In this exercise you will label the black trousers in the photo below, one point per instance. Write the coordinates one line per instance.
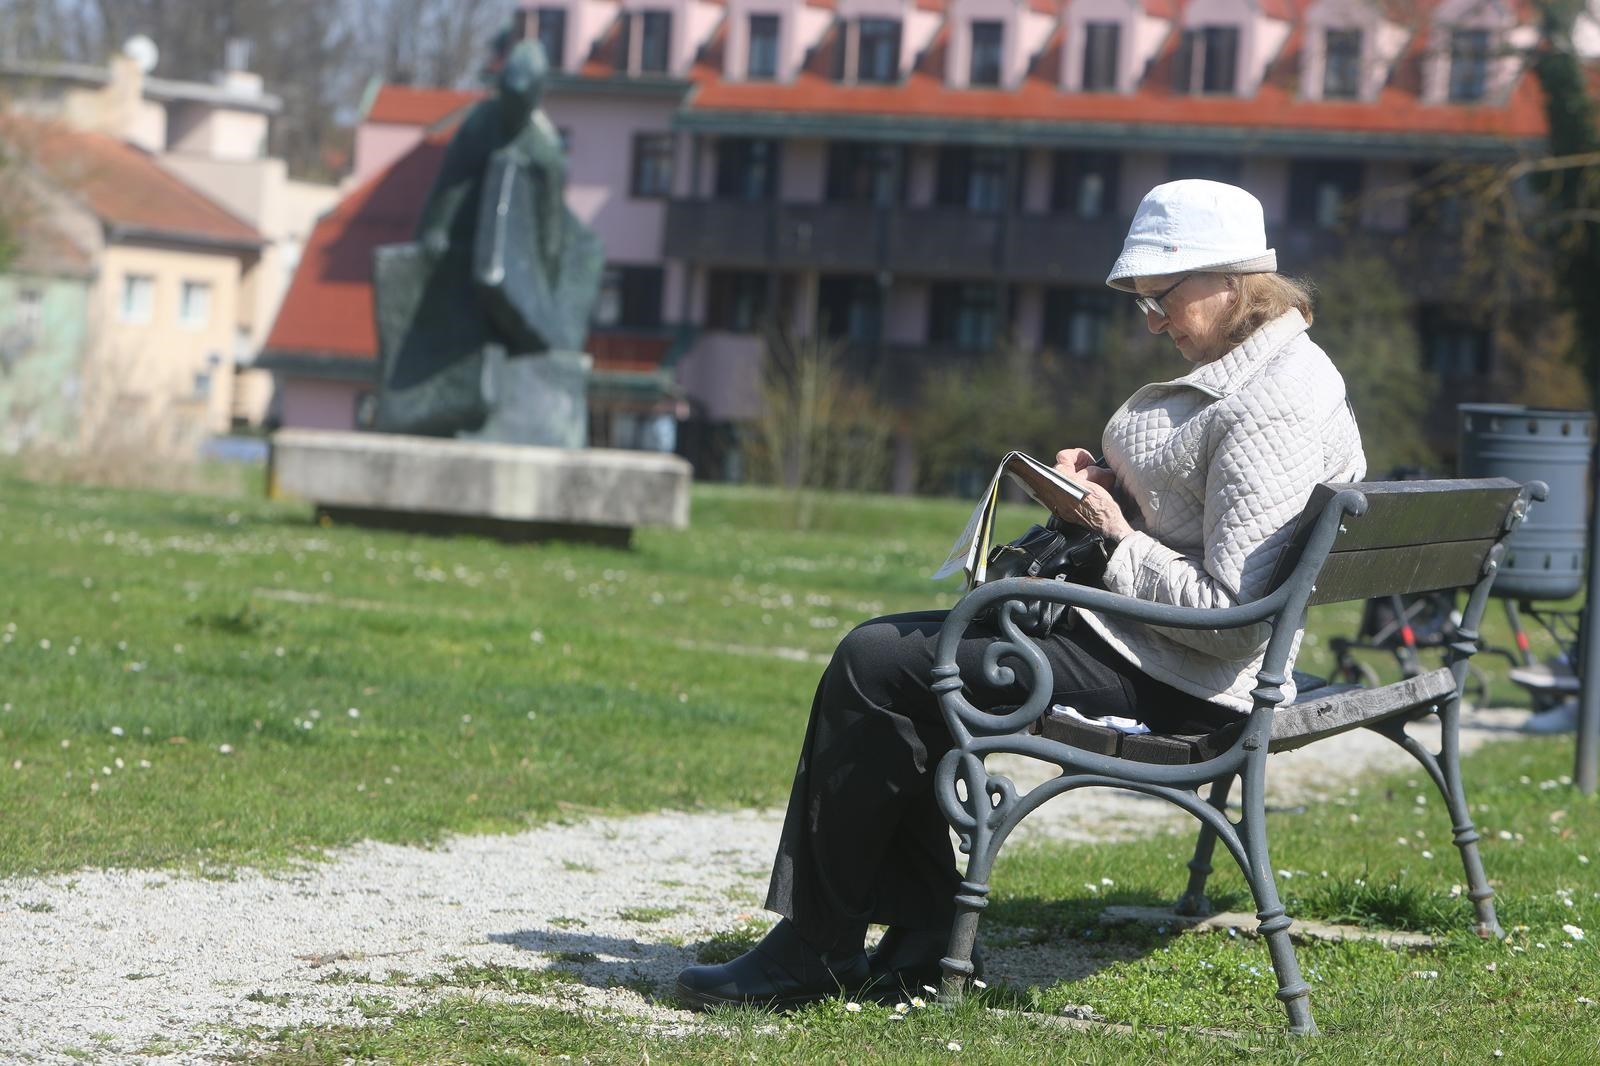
(864, 841)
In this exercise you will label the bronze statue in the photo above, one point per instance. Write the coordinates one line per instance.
(481, 319)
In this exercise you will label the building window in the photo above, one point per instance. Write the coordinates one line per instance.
(878, 50)
(1076, 321)
(1469, 65)
(747, 169)
(973, 178)
(736, 300)
(1341, 69)
(763, 65)
(1207, 60)
(986, 38)
(29, 324)
(652, 165)
(1451, 346)
(138, 298)
(1211, 167)
(194, 304)
(1085, 184)
(1322, 191)
(850, 308)
(1102, 43)
(864, 172)
(965, 315)
(654, 32)
(552, 34)
(629, 298)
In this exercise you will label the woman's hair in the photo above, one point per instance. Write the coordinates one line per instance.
(1260, 298)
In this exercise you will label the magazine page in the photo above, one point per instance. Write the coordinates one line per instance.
(1047, 486)
(971, 548)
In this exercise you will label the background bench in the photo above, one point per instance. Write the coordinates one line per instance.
(1352, 542)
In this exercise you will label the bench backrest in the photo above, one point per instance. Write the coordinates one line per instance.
(1415, 536)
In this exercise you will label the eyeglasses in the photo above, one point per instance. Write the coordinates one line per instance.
(1152, 304)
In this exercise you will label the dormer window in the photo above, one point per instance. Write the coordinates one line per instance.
(1469, 65)
(646, 41)
(1341, 72)
(986, 39)
(878, 50)
(763, 65)
(1102, 43)
(1207, 60)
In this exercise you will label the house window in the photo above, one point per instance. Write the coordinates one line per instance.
(29, 324)
(973, 178)
(986, 37)
(736, 300)
(1085, 184)
(965, 315)
(1451, 346)
(1076, 321)
(864, 172)
(1469, 65)
(763, 65)
(1211, 167)
(138, 298)
(652, 165)
(878, 50)
(654, 30)
(629, 298)
(1322, 191)
(194, 304)
(1207, 60)
(552, 33)
(1102, 43)
(747, 169)
(1341, 70)
(850, 308)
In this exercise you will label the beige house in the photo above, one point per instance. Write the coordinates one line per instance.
(165, 290)
(213, 136)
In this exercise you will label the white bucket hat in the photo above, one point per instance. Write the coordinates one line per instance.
(1194, 225)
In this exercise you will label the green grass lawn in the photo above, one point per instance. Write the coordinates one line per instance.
(190, 681)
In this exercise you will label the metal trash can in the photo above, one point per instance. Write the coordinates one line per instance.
(1546, 560)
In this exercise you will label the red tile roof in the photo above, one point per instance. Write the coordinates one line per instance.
(403, 105)
(328, 308)
(125, 187)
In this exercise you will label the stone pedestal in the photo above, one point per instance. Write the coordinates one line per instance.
(506, 490)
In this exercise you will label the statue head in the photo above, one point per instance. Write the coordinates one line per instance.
(521, 81)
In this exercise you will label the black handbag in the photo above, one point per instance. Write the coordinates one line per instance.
(1057, 551)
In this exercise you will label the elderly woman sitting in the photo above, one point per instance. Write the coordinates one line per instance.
(1202, 475)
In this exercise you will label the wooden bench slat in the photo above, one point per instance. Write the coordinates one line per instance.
(1400, 570)
(1418, 512)
(1297, 724)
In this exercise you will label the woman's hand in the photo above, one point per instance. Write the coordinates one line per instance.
(1099, 510)
(1079, 464)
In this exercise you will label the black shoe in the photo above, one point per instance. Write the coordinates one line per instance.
(907, 960)
(782, 971)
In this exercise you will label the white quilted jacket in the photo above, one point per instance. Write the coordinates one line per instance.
(1212, 470)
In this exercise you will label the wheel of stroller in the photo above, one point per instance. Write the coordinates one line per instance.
(1352, 671)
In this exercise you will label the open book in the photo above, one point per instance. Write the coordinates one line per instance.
(1045, 484)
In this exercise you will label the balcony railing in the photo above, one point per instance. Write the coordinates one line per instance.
(865, 239)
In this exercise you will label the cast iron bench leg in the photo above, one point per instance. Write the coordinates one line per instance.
(1293, 992)
(1194, 903)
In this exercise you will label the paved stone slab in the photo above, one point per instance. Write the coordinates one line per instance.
(427, 476)
(1301, 931)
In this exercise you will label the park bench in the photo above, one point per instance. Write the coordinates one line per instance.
(1352, 542)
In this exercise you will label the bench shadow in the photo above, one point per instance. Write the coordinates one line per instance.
(1027, 944)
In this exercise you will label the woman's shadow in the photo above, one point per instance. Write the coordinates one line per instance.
(1028, 944)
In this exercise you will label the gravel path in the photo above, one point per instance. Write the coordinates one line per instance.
(146, 966)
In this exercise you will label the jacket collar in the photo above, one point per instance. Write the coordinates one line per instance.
(1223, 376)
